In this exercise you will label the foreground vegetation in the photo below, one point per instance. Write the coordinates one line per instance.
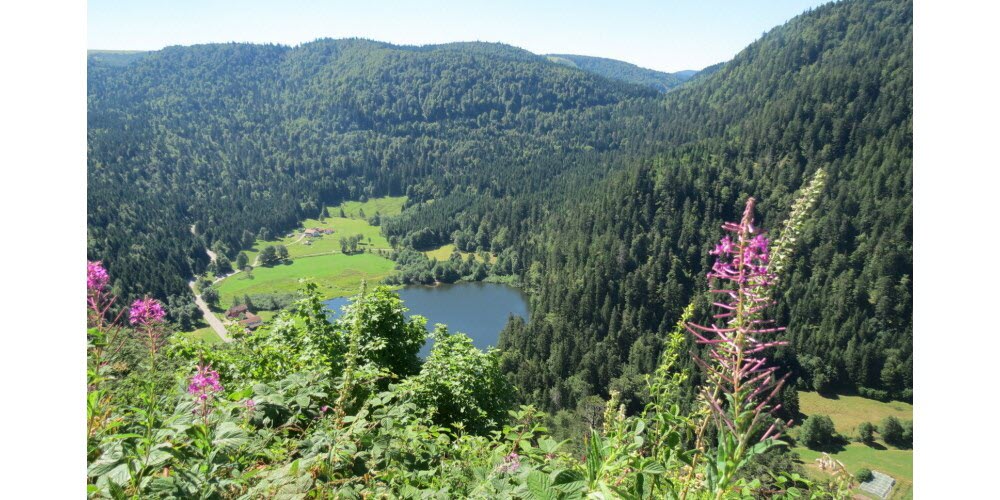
(345, 408)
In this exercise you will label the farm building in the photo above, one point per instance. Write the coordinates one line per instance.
(236, 311)
(251, 321)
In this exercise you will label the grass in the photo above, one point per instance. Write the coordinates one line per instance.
(847, 412)
(388, 205)
(206, 335)
(352, 224)
(336, 275)
(444, 253)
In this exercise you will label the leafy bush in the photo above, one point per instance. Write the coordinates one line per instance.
(876, 394)
(866, 432)
(817, 431)
(461, 385)
(864, 475)
(891, 431)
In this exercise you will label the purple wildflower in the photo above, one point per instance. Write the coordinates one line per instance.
(97, 277)
(725, 247)
(204, 385)
(146, 312)
(204, 382)
(511, 463)
(747, 380)
(250, 404)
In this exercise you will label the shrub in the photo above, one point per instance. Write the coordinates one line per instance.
(891, 430)
(876, 394)
(817, 431)
(866, 432)
(864, 475)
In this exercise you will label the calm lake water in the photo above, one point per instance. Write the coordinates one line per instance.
(479, 310)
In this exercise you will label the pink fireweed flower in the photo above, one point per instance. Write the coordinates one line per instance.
(97, 277)
(746, 381)
(725, 247)
(250, 404)
(146, 312)
(511, 463)
(204, 383)
(203, 386)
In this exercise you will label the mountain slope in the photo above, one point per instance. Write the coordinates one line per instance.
(833, 89)
(621, 70)
(232, 138)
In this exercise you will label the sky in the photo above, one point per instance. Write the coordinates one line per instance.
(667, 35)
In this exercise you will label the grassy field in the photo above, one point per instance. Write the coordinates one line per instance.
(847, 412)
(444, 253)
(388, 205)
(350, 225)
(206, 334)
(336, 274)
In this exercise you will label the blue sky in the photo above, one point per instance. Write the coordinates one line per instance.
(668, 35)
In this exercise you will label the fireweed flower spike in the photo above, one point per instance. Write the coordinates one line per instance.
(741, 385)
(97, 277)
(204, 385)
(146, 312)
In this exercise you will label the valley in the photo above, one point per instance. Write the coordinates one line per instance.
(590, 232)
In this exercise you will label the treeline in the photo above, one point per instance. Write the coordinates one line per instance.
(614, 270)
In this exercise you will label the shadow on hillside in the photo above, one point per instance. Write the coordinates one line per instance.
(875, 445)
(838, 445)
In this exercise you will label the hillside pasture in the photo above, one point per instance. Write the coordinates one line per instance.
(444, 252)
(847, 412)
(371, 236)
(336, 275)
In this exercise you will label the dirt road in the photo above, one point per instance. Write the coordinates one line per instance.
(210, 317)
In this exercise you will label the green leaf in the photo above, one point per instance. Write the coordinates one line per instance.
(540, 486)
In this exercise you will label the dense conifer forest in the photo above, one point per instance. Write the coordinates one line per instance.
(598, 193)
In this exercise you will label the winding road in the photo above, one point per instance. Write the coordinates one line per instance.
(206, 311)
(210, 317)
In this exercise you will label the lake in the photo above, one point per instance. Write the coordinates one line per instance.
(479, 310)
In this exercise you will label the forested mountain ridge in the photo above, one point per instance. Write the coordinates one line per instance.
(232, 138)
(830, 89)
(621, 70)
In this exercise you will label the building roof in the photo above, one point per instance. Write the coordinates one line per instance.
(251, 320)
(236, 310)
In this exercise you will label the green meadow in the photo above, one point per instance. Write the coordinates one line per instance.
(444, 252)
(336, 275)
(206, 334)
(300, 246)
(847, 412)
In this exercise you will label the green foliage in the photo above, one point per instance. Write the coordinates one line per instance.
(269, 256)
(828, 91)
(599, 195)
(893, 432)
(459, 384)
(866, 432)
(211, 296)
(864, 475)
(817, 431)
